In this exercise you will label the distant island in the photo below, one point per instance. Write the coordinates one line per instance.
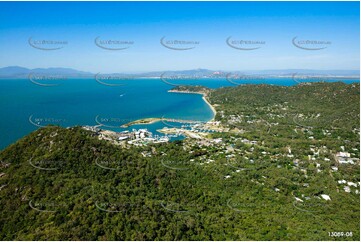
(14, 72)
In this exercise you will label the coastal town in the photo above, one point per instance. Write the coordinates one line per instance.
(134, 137)
(230, 138)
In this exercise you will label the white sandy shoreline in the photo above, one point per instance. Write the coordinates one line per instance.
(146, 121)
(204, 97)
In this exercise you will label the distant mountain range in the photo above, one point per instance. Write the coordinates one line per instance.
(22, 72)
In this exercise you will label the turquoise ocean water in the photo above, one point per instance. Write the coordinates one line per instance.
(26, 106)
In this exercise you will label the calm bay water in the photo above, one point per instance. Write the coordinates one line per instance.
(26, 106)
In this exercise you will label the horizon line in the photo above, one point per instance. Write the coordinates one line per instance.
(193, 69)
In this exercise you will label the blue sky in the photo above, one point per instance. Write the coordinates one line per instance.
(209, 23)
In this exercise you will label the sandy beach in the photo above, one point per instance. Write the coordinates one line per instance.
(204, 97)
(154, 120)
(210, 105)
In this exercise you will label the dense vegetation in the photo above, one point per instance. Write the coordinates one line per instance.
(200, 89)
(329, 112)
(337, 102)
(65, 184)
